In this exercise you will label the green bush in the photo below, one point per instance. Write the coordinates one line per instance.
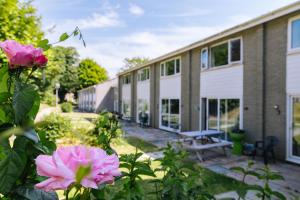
(66, 107)
(54, 126)
(107, 127)
(49, 98)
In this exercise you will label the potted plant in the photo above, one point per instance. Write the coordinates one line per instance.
(237, 136)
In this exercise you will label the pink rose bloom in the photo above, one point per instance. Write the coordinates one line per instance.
(23, 55)
(63, 165)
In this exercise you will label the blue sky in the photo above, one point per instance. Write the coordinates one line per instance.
(116, 29)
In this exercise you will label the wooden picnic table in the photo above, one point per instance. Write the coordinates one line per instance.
(211, 142)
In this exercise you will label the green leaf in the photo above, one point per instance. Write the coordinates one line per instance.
(63, 37)
(278, 195)
(31, 193)
(3, 77)
(44, 44)
(23, 101)
(4, 96)
(11, 169)
(2, 116)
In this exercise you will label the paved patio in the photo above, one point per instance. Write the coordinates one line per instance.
(217, 162)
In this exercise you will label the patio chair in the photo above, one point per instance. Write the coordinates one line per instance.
(267, 148)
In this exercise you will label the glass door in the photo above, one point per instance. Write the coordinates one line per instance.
(295, 127)
(170, 114)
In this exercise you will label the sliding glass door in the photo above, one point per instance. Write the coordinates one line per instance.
(294, 129)
(221, 114)
(170, 114)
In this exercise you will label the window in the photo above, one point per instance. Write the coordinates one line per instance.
(221, 114)
(235, 50)
(219, 55)
(162, 69)
(170, 113)
(222, 54)
(295, 34)
(126, 111)
(204, 58)
(127, 79)
(143, 74)
(142, 109)
(177, 66)
(229, 114)
(170, 67)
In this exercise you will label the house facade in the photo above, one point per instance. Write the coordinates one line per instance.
(246, 77)
(96, 98)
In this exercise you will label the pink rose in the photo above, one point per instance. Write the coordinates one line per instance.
(23, 55)
(63, 165)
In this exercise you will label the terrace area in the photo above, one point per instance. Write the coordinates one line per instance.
(217, 162)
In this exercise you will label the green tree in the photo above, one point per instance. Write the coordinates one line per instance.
(62, 67)
(90, 73)
(18, 21)
(134, 62)
(69, 78)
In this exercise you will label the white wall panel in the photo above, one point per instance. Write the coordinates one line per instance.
(170, 87)
(143, 90)
(222, 83)
(126, 92)
(293, 74)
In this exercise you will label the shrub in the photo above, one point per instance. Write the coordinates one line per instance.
(55, 126)
(49, 98)
(107, 128)
(66, 107)
(181, 179)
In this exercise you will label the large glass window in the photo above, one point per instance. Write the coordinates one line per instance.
(229, 114)
(219, 55)
(295, 31)
(143, 108)
(296, 127)
(170, 111)
(212, 114)
(222, 54)
(170, 67)
(235, 50)
(143, 74)
(126, 109)
(204, 58)
(222, 114)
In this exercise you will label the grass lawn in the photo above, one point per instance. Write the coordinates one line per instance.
(215, 183)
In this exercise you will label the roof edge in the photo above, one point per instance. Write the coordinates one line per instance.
(240, 27)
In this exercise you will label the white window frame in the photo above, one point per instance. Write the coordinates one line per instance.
(140, 72)
(241, 50)
(229, 53)
(169, 107)
(241, 124)
(164, 67)
(207, 59)
(289, 35)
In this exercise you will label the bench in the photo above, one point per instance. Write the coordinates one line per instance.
(200, 147)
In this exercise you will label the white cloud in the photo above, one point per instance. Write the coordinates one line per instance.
(136, 10)
(111, 51)
(109, 19)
